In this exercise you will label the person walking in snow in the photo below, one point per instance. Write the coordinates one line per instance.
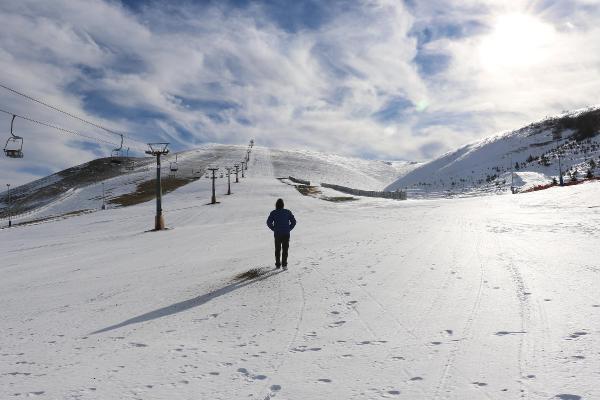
(281, 221)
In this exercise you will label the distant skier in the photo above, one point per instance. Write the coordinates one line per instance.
(281, 221)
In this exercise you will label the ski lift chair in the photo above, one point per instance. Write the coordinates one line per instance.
(173, 166)
(117, 154)
(14, 145)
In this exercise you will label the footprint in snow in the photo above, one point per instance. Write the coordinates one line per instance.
(247, 374)
(575, 335)
(567, 397)
(336, 324)
(374, 342)
(479, 383)
(504, 333)
(302, 349)
(324, 380)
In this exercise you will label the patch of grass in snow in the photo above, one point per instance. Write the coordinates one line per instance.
(146, 191)
(314, 191)
(308, 190)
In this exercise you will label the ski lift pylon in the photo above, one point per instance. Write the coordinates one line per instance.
(14, 144)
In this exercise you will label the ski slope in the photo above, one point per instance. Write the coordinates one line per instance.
(476, 298)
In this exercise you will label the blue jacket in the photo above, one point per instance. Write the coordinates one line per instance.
(281, 221)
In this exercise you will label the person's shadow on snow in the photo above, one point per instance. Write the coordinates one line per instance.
(187, 304)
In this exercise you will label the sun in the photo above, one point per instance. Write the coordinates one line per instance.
(516, 41)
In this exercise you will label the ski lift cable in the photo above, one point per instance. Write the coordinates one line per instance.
(67, 113)
(58, 128)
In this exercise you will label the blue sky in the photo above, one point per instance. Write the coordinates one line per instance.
(373, 78)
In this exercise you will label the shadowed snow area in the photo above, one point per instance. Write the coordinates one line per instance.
(479, 298)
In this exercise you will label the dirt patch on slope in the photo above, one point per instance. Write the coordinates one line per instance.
(146, 191)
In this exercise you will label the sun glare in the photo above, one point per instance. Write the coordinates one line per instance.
(516, 41)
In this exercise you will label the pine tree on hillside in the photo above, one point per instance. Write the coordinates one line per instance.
(574, 176)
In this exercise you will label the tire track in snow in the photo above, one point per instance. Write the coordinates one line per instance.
(468, 325)
(522, 293)
(274, 388)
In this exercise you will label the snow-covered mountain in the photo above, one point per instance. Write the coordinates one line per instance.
(81, 189)
(531, 152)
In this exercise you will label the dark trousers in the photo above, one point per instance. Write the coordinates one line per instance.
(282, 242)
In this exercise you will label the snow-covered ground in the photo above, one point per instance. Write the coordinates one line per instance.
(476, 298)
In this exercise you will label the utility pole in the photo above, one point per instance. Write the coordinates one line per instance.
(243, 162)
(558, 136)
(560, 175)
(8, 205)
(158, 149)
(512, 176)
(247, 158)
(228, 180)
(103, 197)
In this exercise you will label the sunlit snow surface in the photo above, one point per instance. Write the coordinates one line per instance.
(478, 298)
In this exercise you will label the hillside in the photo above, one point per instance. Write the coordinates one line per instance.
(457, 299)
(531, 152)
(80, 189)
